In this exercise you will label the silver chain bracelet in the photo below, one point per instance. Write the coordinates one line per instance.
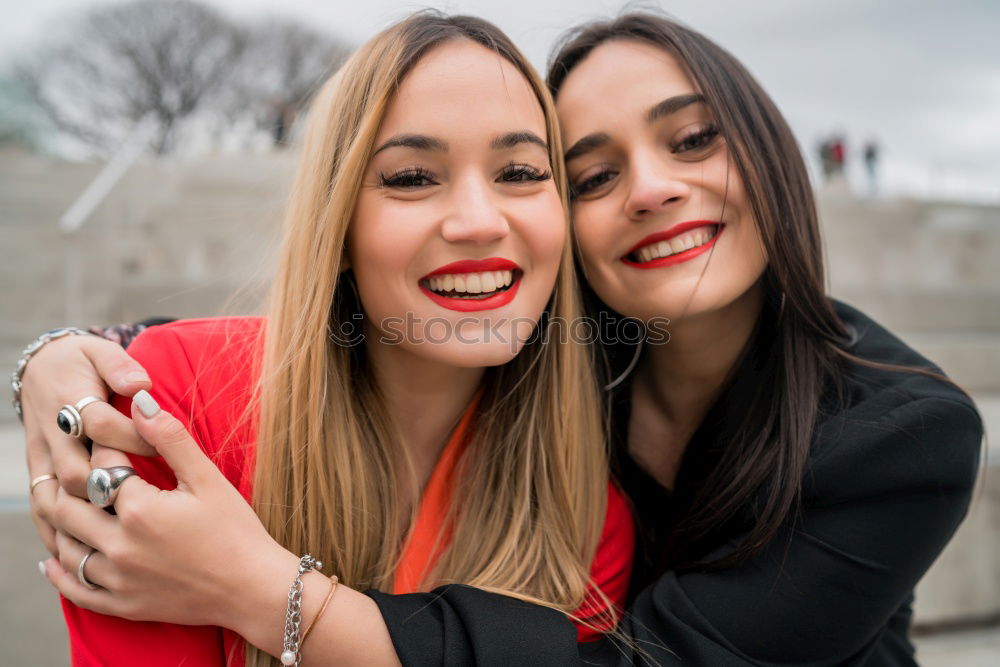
(293, 615)
(28, 353)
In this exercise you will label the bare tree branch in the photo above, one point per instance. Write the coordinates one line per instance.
(179, 60)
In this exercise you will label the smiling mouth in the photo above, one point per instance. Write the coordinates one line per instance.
(480, 285)
(672, 248)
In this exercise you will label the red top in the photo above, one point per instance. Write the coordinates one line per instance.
(203, 375)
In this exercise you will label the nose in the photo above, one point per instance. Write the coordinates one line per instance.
(476, 216)
(655, 185)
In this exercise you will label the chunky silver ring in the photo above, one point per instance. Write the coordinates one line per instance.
(70, 417)
(81, 576)
(103, 484)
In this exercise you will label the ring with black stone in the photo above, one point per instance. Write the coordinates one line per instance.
(70, 417)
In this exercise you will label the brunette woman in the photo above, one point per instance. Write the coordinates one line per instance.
(402, 462)
(795, 468)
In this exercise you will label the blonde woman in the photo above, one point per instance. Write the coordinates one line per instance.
(443, 448)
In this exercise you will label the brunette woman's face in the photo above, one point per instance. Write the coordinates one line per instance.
(459, 229)
(659, 212)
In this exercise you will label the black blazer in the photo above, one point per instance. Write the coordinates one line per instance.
(889, 479)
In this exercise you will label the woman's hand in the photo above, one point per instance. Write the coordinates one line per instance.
(198, 555)
(61, 373)
(191, 555)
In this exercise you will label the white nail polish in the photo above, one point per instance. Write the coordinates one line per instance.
(147, 404)
(41, 568)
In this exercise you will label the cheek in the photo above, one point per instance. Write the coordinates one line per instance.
(380, 251)
(738, 264)
(593, 236)
(543, 227)
(754, 254)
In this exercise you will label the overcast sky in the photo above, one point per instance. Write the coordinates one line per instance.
(922, 77)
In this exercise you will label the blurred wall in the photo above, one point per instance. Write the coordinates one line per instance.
(179, 237)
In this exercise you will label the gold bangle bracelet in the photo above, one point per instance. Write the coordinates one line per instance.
(329, 596)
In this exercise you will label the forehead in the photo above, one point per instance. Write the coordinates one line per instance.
(634, 74)
(462, 88)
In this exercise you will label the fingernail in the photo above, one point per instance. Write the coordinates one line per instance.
(135, 376)
(147, 404)
(41, 568)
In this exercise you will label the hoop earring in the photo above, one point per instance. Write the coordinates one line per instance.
(628, 370)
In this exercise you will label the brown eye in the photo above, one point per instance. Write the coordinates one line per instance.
(591, 183)
(696, 140)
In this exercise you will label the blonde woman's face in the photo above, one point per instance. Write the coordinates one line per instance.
(458, 232)
(659, 211)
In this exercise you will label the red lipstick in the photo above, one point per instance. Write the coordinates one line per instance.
(677, 258)
(472, 304)
(475, 266)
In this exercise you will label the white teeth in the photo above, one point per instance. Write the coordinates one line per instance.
(471, 283)
(678, 244)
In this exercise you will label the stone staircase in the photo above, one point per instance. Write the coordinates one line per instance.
(930, 272)
(174, 238)
(179, 238)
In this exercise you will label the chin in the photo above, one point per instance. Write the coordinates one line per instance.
(475, 355)
(673, 302)
(481, 345)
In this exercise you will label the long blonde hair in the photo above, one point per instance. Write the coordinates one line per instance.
(531, 491)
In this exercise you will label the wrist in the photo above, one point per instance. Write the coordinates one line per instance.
(30, 351)
(256, 610)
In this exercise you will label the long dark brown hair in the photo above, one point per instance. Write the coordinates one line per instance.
(759, 441)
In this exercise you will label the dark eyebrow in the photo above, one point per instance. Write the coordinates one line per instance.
(419, 142)
(587, 144)
(672, 105)
(512, 139)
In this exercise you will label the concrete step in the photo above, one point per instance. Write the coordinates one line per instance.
(906, 244)
(970, 359)
(980, 648)
(963, 585)
(186, 300)
(919, 310)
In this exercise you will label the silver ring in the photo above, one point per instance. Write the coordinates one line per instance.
(103, 484)
(80, 574)
(70, 420)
